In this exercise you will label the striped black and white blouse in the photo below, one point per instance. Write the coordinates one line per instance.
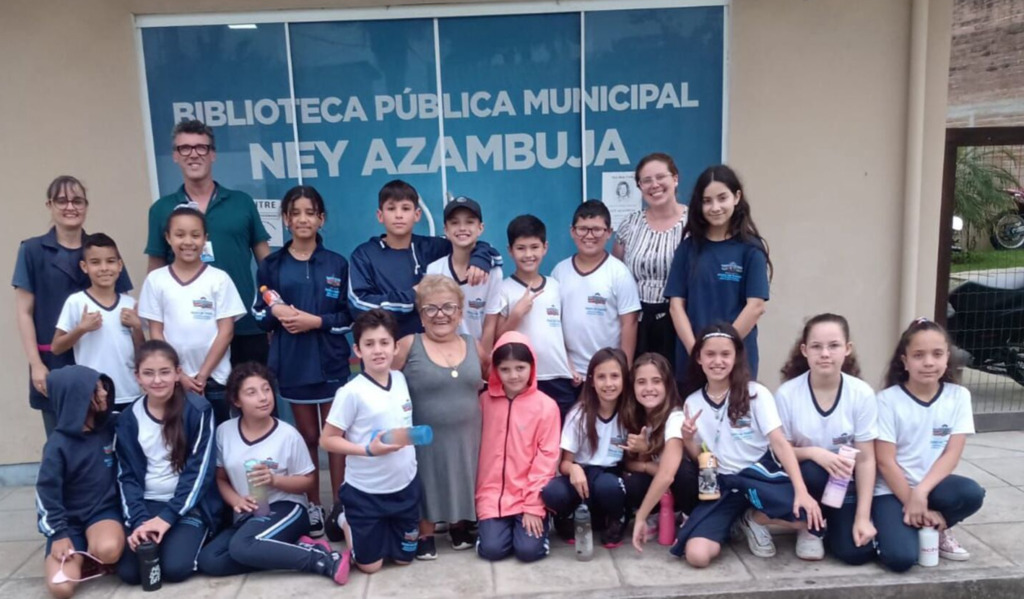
(649, 253)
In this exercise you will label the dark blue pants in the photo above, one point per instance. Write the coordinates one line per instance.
(216, 394)
(498, 538)
(607, 495)
(839, 535)
(562, 391)
(956, 498)
(178, 550)
(264, 543)
(684, 487)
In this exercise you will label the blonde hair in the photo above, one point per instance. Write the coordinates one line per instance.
(434, 284)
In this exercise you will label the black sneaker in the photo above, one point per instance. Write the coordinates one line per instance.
(566, 529)
(316, 521)
(462, 539)
(332, 524)
(425, 549)
(611, 536)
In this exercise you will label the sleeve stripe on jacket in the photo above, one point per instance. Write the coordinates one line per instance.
(197, 487)
(366, 306)
(44, 527)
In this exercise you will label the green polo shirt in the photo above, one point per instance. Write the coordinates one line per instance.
(233, 226)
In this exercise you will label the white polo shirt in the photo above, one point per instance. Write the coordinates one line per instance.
(110, 349)
(852, 418)
(609, 436)
(542, 325)
(736, 446)
(591, 307)
(282, 447)
(189, 311)
(921, 430)
(361, 408)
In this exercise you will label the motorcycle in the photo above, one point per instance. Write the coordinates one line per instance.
(988, 323)
(1008, 228)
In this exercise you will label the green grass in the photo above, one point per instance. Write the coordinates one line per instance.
(987, 260)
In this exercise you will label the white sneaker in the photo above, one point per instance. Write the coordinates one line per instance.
(316, 521)
(809, 547)
(951, 549)
(759, 539)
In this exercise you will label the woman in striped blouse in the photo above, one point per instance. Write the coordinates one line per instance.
(646, 241)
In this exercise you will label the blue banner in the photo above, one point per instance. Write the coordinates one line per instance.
(531, 124)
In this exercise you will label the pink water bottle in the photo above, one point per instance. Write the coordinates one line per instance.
(667, 520)
(835, 490)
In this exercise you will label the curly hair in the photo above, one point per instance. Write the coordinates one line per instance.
(797, 364)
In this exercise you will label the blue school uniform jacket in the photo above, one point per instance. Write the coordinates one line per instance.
(195, 488)
(327, 346)
(77, 476)
(52, 276)
(383, 277)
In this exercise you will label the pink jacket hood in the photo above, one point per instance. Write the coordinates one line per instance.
(519, 449)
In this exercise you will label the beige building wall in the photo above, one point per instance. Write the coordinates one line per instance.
(818, 123)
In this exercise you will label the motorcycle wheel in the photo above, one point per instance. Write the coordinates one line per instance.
(1008, 232)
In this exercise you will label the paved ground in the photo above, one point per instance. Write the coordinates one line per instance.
(995, 537)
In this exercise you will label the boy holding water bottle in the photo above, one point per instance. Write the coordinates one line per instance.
(381, 493)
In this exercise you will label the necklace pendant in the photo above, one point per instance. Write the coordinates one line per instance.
(455, 373)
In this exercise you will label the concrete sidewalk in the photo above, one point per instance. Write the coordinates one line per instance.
(994, 536)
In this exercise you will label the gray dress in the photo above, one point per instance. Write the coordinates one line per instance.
(447, 467)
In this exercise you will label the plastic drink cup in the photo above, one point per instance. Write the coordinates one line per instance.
(835, 490)
(258, 492)
(928, 547)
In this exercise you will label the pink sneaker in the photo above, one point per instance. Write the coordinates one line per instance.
(318, 544)
(949, 548)
(343, 562)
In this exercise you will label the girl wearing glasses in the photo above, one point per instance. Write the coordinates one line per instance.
(646, 241)
(444, 372)
(46, 272)
(721, 271)
(309, 353)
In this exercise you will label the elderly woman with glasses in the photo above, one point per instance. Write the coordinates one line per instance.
(645, 241)
(444, 371)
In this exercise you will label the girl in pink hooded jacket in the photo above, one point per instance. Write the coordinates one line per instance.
(518, 455)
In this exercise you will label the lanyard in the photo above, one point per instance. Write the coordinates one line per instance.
(720, 413)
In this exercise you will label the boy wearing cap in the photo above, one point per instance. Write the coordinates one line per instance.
(384, 271)
(463, 225)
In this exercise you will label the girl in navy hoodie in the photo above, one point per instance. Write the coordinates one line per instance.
(308, 352)
(76, 498)
(166, 467)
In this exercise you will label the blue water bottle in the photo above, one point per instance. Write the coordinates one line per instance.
(414, 435)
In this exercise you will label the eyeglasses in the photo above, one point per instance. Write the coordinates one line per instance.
(660, 178)
(448, 309)
(76, 203)
(200, 149)
(584, 231)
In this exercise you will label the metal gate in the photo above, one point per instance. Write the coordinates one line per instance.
(980, 286)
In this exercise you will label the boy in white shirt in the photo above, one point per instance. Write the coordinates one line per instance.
(101, 325)
(541, 323)
(381, 493)
(463, 225)
(600, 300)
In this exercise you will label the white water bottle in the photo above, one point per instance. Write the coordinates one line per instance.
(928, 547)
(584, 534)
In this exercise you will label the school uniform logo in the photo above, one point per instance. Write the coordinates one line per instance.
(731, 272)
(554, 316)
(332, 287)
(597, 305)
(108, 455)
(202, 308)
(741, 430)
(843, 439)
(477, 303)
(940, 436)
(614, 447)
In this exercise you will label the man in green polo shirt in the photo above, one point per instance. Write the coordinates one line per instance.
(233, 227)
